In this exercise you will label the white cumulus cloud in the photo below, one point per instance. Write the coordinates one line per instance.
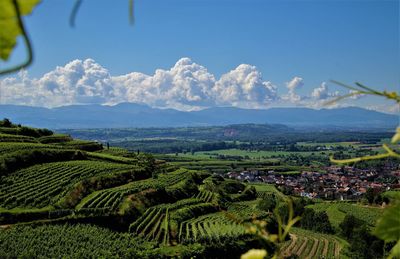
(244, 87)
(322, 92)
(184, 86)
(293, 85)
(78, 82)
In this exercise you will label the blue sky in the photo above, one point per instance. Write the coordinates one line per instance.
(314, 40)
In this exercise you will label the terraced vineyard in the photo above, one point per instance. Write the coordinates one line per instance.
(267, 191)
(9, 147)
(158, 223)
(51, 184)
(154, 224)
(245, 211)
(15, 138)
(41, 185)
(210, 228)
(205, 196)
(110, 198)
(308, 244)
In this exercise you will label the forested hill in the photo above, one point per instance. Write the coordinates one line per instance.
(136, 115)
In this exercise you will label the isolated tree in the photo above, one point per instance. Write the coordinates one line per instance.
(369, 195)
(348, 225)
(267, 204)
(6, 123)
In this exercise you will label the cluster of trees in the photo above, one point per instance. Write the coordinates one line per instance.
(166, 146)
(305, 160)
(10, 128)
(316, 220)
(267, 204)
(310, 219)
(375, 197)
(353, 153)
(6, 123)
(379, 165)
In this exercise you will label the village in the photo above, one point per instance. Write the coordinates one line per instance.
(334, 183)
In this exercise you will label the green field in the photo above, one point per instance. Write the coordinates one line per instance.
(252, 154)
(329, 144)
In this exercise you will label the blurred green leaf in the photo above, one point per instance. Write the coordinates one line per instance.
(395, 253)
(388, 228)
(9, 27)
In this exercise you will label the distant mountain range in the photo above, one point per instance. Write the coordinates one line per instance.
(137, 115)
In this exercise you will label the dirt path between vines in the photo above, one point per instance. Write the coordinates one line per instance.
(313, 249)
(326, 247)
(287, 251)
(337, 249)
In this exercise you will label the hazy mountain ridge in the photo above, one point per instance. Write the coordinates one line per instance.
(137, 115)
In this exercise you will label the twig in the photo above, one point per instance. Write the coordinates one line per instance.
(74, 12)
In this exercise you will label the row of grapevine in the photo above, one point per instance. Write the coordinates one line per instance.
(111, 158)
(16, 138)
(268, 190)
(153, 225)
(9, 147)
(265, 195)
(205, 196)
(179, 204)
(55, 138)
(25, 144)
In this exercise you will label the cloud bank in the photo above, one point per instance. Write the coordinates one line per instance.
(185, 86)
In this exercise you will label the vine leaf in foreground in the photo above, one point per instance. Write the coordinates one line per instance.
(9, 25)
(360, 89)
(388, 228)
